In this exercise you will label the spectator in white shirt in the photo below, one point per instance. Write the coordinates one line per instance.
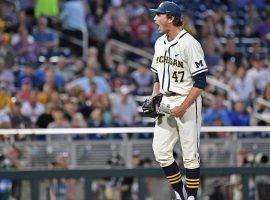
(33, 108)
(242, 88)
(124, 107)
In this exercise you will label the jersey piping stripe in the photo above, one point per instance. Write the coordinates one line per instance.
(183, 35)
(153, 69)
(163, 77)
(169, 77)
(201, 70)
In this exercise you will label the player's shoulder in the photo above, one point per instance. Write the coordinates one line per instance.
(161, 39)
(188, 38)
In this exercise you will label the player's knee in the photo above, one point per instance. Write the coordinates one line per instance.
(191, 163)
(163, 158)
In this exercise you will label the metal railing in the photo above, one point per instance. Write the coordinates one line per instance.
(95, 152)
(35, 176)
(116, 49)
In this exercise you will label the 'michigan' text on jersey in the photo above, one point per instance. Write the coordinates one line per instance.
(177, 61)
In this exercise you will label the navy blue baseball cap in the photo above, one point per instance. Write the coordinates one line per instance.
(168, 7)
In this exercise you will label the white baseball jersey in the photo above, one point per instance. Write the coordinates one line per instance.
(177, 61)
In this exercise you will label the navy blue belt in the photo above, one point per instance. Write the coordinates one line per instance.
(170, 94)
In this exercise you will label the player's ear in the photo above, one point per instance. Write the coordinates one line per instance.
(170, 18)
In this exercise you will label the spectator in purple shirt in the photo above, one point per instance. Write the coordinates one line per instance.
(25, 48)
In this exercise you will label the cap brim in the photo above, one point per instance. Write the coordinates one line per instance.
(156, 11)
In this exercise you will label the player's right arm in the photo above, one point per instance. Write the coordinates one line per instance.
(156, 88)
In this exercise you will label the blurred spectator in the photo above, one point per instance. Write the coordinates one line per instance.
(98, 29)
(47, 8)
(239, 115)
(135, 9)
(46, 38)
(216, 112)
(45, 75)
(11, 158)
(124, 107)
(73, 23)
(56, 98)
(64, 69)
(78, 121)
(32, 108)
(143, 78)
(70, 107)
(4, 120)
(262, 29)
(59, 121)
(231, 53)
(6, 50)
(46, 118)
(217, 193)
(242, 88)
(219, 75)
(258, 74)
(5, 98)
(263, 110)
(212, 57)
(99, 8)
(92, 60)
(24, 92)
(77, 67)
(85, 106)
(121, 77)
(73, 16)
(61, 188)
(142, 40)
(129, 185)
(26, 72)
(6, 75)
(84, 82)
(142, 22)
(46, 94)
(106, 107)
(54, 80)
(256, 50)
(95, 119)
(253, 17)
(8, 13)
(17, 119)
(24, 20)
(25, 47)
(119, 30)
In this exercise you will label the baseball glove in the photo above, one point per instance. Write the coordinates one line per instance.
(151, 105)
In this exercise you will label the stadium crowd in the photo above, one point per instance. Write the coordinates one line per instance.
(45, 83)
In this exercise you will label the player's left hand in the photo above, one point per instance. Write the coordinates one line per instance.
(177, 111)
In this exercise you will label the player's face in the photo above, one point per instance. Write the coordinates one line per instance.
(162, 21)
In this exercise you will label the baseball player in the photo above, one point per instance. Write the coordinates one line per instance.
(180, 76)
